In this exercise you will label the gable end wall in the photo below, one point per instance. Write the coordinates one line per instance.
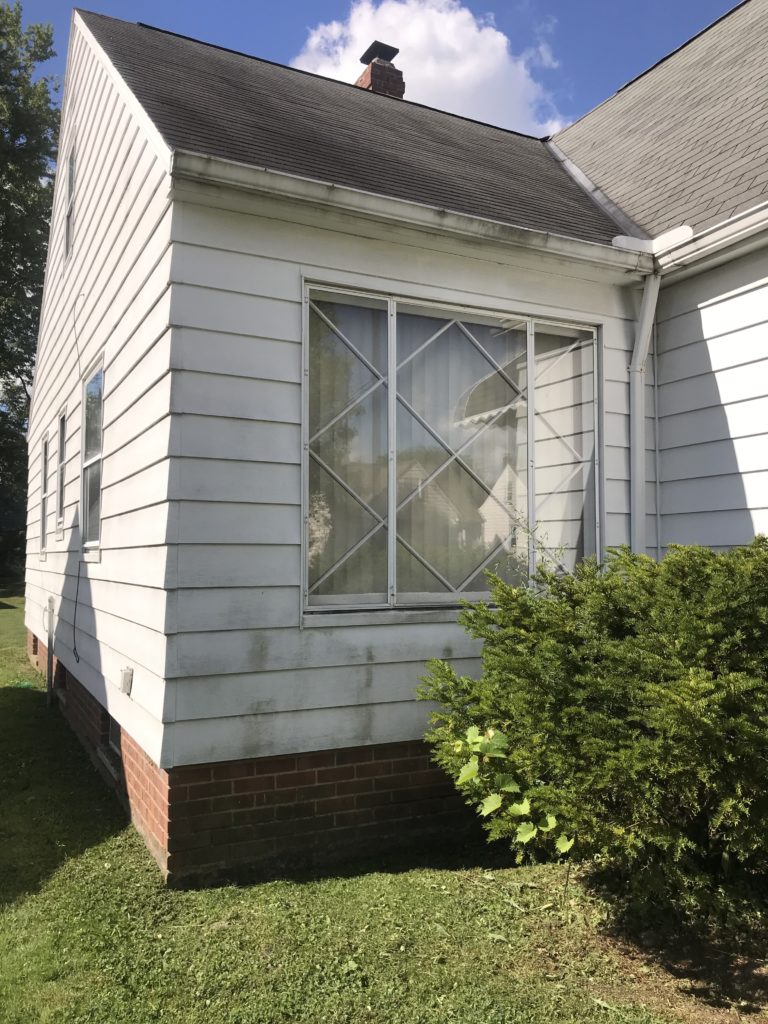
(108, 299)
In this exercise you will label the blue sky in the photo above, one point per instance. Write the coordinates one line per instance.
(560, 57)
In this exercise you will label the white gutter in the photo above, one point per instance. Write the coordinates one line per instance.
(729, 232)
(199, 169)
(643, 331)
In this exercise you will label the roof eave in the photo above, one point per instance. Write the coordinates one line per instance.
(742, 233)
(202, 169)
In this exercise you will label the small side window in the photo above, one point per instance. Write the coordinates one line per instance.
(93, 400)
(44, 496)
(61, 459)
(69, 223)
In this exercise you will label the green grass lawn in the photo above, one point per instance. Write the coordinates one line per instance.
(88, 933)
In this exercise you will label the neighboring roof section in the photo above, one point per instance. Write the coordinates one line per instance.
(215, 102)
(687, 141)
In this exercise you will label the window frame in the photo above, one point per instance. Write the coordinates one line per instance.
(45, 454)
(449, 607)
(93, 546)
(61, 453)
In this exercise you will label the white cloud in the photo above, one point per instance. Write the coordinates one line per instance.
(450, 58)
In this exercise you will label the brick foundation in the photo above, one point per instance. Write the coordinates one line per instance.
(204, 822)
(307, 808)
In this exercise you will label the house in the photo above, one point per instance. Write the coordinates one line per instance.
(312, 357)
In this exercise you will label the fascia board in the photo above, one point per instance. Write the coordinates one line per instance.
(197, 168)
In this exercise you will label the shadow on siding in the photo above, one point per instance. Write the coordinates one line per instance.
(704, 411)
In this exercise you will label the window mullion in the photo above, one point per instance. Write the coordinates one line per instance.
(392, 445)
(531, 428)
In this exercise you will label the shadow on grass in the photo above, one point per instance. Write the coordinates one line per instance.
(53, 804)
(11, 587)
(466, 851)
(724, 965)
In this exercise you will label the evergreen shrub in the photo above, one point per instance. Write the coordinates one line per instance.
(621, 714)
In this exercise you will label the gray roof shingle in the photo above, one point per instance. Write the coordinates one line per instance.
(687, 141)
(216, 102)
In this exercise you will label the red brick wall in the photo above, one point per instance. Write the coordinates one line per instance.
(307, 808)
(202, 822)
(146, 789)
(37, 653)
(88, 719)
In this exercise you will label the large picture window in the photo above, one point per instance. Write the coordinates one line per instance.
(93, 397)
(440, 444)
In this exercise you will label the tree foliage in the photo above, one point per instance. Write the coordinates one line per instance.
(632, 700)
(28, 128)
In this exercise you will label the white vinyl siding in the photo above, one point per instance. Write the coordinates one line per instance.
(248, 671)
(110, 297)
(713, 405)
(194, 296)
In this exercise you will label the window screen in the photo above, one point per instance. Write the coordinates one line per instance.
(442, 445)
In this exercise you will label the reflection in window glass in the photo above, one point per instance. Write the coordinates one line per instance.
(348, 444)
(44, 496)
(69, 219)
(61, 462)
(93, 398)
(565, 445)
(461, 454)
(448, 456)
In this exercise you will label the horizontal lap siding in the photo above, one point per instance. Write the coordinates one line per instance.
(244, 678)
(270, 692)
(713, 405)
(111, 298)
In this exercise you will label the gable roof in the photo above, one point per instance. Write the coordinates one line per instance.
(687, 141)
(219, 103)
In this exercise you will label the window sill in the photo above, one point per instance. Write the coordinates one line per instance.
(381, 616)
(91, 555)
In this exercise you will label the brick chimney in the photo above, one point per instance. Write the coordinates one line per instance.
(380, 74)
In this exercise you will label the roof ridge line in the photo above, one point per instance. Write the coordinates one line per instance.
(313, 74)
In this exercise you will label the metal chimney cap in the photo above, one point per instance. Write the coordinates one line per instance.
(381, 50)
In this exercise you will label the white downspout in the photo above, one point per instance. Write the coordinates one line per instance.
(637, 412)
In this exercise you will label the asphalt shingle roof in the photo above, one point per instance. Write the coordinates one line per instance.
(215, 102)
(686, 142)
